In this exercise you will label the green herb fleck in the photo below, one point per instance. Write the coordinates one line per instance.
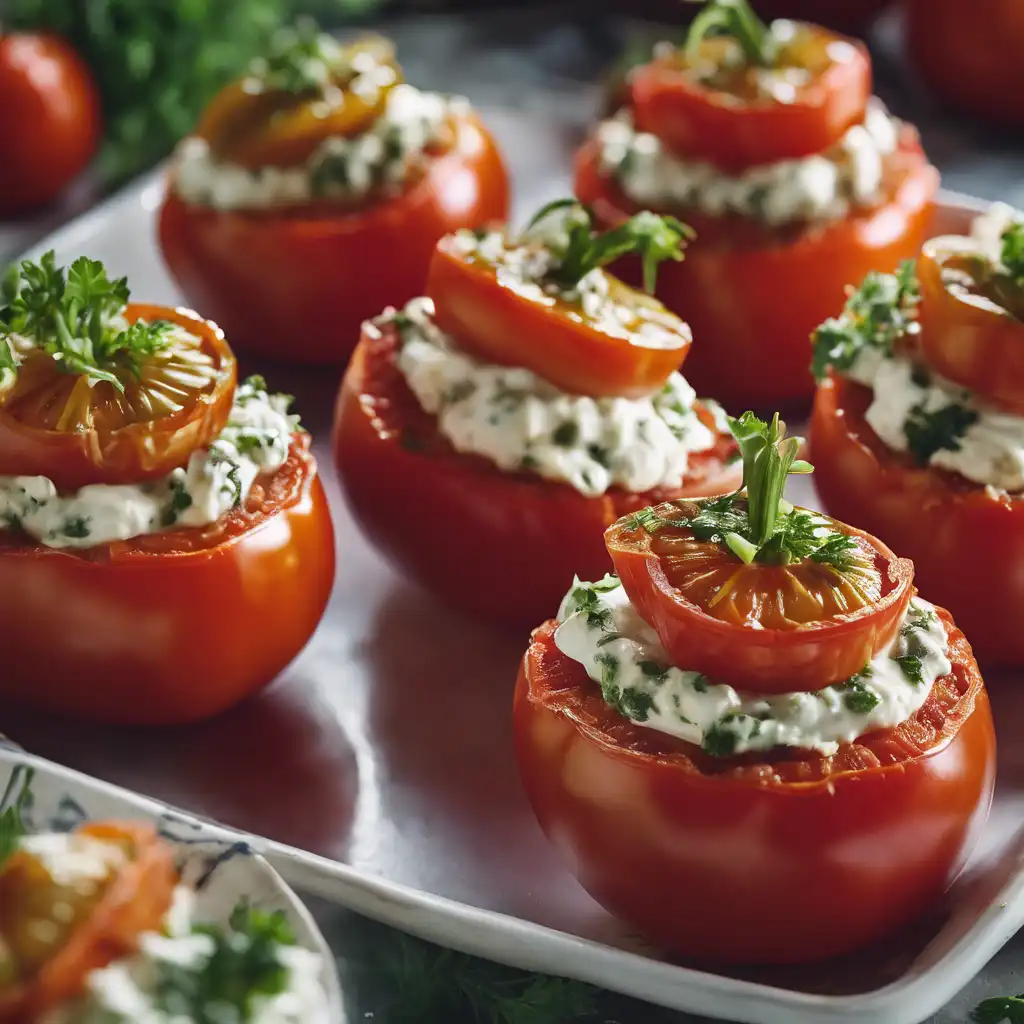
(77, 527)
(1000, 1010)
(300, 59)
(734, 18)
(1012, 253)
(700, 683)
(856, 696)
(13, 805)
(931, 431)
(653, 670)
(180, 501)
(566, 434)
(720, 740)
(910, 665)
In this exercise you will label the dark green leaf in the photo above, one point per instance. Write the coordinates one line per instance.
(13, 804)
(910, 665)
(737, 19)
(1000, 1010)
(943, 429)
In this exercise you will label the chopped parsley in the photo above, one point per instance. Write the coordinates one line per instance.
(301, 59)
(881, 310)
(653, 238)
(856, 696)
(13, 805)
(734, 18)
(911, 667)
(723, 737)
(1012, 253)
(931, 431)
(76, 317)
(244, 966)
(77, 527)
(180, 501)
(653, 670)
(565, 435)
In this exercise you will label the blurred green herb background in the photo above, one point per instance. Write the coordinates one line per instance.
(158, 62)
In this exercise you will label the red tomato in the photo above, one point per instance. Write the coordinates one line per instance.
(298, 285)
(78, 431)
(203, 616)
(51, 113)
(765, 628)
(502, 546)
(967, 333)
(729, 121)
(135, 900)
(752, 296)
(746, 861)
(845, 15)
(969, 55)
(967, 543)
(558, 341)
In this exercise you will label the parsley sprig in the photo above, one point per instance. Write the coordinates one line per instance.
(13, 804)
(1000, 1010)
(75, 317)
(653, 238)
(1012, 252)
(766, 528)
(300, 59)
(881, 310)
(933, 430)
(245, 964)
(737, 19)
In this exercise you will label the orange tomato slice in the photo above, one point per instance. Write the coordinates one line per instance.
(760, 627)
(79, 431)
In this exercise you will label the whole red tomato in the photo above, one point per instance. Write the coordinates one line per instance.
(176, 626)
(753, 295)
(969, 55)
(749, 861)
(297, 285)
(51, 120)
(966, 542)
(501, 546)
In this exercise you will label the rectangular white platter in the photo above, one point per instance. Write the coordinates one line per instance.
(380, 770)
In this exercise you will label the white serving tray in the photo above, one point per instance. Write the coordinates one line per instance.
(421, 824)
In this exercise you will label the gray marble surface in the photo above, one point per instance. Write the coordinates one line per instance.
(549, 66)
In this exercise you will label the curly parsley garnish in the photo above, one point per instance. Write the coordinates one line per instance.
(654, 239)
(881, 310)
(13, 804)
(76, 318)
(766, 528)
(245, 964)
(737, 19)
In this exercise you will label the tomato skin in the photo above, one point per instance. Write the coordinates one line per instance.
(752, 297)
(297, 285)
(204, 626)
(136, 901)
(969, 55)
(504, 327)
(762, 660)
(967, 545)
(133, 453)
(499, 546)
(768, 869)
(51, 112)
(981, 349)
(703, 123)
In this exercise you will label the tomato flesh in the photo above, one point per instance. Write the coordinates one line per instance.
(748, 860)
(972, 331)
(763, 628)
(492, 315)
(737, 116)
(60, 933)
(78, 432)
(476, 525)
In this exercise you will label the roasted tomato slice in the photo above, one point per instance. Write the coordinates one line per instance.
(700, 853)
(713, 102)
(309, 90)
(972, 320)
(760, 627)
(57, 932)
(77, 430)
(494, 316)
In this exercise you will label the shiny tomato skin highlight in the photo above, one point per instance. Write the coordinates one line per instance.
(753, 296)
(173, 627)
(750, 862)
(500, 546)
(297, 285)
(967, 544)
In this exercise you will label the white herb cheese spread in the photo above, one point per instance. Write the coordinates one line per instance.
(600, 629)
(342, 168)
(519, 421)
(255, 440)
(821, 187)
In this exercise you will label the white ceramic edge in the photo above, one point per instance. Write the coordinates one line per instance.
(909, 1000)
(214, 841)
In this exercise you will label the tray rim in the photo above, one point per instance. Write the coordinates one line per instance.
(910, 999)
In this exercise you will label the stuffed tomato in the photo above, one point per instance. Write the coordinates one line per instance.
(521, 407)
(692, 736)
(312, 193)
(767, 140)
(96, 925)
(166, 547)
(918, 431)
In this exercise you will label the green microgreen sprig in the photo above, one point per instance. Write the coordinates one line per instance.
(655, 239)
(13, 804)
(75, 317)
(734, 18)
